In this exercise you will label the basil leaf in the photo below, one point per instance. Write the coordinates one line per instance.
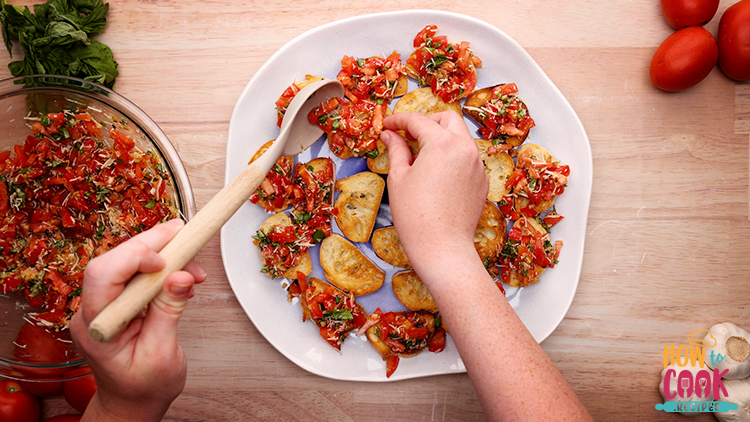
(55, 39)
(339, 314)
(318, 236)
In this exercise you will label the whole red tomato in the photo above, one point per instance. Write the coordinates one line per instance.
(17, 404)
(43, 389)
(78, 392)
(734, 41)
(683, 13)
(65, 418)
(683, 59)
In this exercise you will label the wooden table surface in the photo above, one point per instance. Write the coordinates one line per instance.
(664, 251)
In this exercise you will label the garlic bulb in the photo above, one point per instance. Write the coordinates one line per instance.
(731, 350)
(739, 393)
(673, 383)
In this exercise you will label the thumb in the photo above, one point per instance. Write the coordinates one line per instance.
(165, 310)
(399, 154)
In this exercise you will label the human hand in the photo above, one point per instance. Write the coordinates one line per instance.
(141, 370)
(437, 197)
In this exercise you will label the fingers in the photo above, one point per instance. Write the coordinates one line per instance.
(399, 154)
(158, 236)
(446, 126)
(452, 121)
(165, 310)
(196, 271)
(415, 124)
(107, 274)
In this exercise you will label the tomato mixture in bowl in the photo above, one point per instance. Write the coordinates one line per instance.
(81, 170)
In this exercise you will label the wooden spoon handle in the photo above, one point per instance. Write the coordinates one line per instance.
(178, 252)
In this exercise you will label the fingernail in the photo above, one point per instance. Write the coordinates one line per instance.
(179, 290)
(176, 222)
(385, 137)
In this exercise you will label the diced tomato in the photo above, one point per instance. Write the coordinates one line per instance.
(11, 282)
(514, 179)
(330, 335)
(285, 235)
(417, 332)
(500, 284)
(35, 301)
(34, 250)
(552, 218)
(391, 363)
(3, 198)
(428, 31)
(437, 342)
(20, 154)
(67, 218)
(57, 281)
(121, 138)
(57, 119)
(313, 304)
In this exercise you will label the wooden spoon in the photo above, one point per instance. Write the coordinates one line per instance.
(297, 134)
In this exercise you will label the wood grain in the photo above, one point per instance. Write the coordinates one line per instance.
(668, 229)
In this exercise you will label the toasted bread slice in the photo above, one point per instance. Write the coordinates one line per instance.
(480, 98)
(422, 100)
(324, 174)
(490, 236)
(387, 247)
(412, 293)
(304, 266)
(348, 268)
(526, 276)
(273, 269)
(499, 167)
(402, 85)
(373, 335)
(379, 164)
(308, 80)
(278, 219)
(358, 203)
(267, 194)
(538, 153)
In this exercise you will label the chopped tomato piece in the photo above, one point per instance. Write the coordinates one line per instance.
(437, 342)
(391, 364)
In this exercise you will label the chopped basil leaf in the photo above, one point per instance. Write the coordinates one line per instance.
(373, 154)
(318, 236)
(339, 314)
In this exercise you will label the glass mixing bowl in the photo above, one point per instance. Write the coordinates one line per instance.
(32, 96)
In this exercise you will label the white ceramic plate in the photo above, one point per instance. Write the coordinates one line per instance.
(541, 306)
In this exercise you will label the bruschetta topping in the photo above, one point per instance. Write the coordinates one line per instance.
(334, 312)
(449, 69)
(504, 115)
